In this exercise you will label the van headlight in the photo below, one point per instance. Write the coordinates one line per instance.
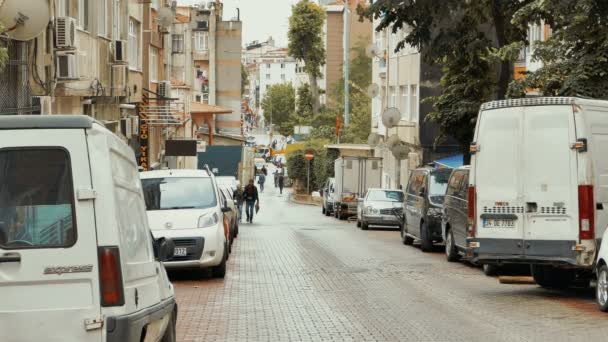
(208, 220)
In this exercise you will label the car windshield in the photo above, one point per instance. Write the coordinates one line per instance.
(178, 193)
(392, 196)
(439, 184)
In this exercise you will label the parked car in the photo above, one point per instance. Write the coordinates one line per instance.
(455, 214)
(186, 206)
(380, 207)
(328, 196)
(77, 260)
(233, 214)
(538, 186)
(423, 207)
(227, 182)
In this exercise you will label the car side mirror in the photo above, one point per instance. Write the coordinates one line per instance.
(164, 249)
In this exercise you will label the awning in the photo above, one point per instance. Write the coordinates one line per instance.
(451, 162)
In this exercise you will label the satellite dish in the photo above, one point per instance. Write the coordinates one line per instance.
(400, 151)
(372, 51)
(393, 141)
(391, 117)
(165, 17)
(373, 90)
(24, 20)
(373, 140)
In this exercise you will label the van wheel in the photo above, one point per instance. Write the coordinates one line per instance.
(219, 271)
(426, 243)
(170, 335)
(406, 239)
(490, 270)
(451, 252)
(551, 277)
(601, 290)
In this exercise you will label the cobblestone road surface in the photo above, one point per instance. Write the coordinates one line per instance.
(295, 275)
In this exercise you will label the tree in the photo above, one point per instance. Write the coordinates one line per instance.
(306, 42)
(575, 57)
(473, 42)
(3, 50)
(244, 79)
(279, 104)
(304, 102)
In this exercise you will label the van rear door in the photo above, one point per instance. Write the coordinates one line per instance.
(49, 283)
(549, 169)
(497, 178)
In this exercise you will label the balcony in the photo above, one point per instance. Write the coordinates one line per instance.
(164, 113)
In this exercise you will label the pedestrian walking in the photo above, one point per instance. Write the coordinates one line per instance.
(239, 197)
(276, 178)
(264, 170)
(261, 181)
(281, 178)
(251, 200)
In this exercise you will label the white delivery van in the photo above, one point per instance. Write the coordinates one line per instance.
(186, 206)
(539, 185)
(353, 177)
(77, 259)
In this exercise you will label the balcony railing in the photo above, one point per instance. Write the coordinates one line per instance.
(164, 113)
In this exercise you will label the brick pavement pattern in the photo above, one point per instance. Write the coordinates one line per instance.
(296, 275)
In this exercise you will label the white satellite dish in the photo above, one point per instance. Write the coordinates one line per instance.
(373, 90)
(24, 20)
(400, 151)
(373, 139)
(165, 17)
(372, 51)
(391, 117)
(393, 141)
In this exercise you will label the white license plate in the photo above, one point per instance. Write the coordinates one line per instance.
(498, 223)
(180, 251)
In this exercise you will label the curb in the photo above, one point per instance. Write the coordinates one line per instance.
(293, 200)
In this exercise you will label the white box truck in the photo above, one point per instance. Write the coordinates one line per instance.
(538, 191)
(353, 176)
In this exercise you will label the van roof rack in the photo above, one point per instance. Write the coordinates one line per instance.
(530, 101)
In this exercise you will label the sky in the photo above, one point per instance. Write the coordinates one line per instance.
(261, 18)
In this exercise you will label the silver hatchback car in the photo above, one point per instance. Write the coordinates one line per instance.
(380, 207)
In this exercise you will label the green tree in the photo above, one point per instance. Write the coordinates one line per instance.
(3, 50)
(473, 42)
(304, 102)
(575, 57)
(279, 104)
(244, 79)
(306, 42)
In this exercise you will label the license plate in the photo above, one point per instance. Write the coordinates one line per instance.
(498, 223)
(180, 251)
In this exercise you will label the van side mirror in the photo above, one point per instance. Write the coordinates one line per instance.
(164, 249)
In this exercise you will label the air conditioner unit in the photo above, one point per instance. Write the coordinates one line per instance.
(164, 89)
(125, 127)
(134, 125)
(42, 105)
(120, 51)
(119, 76)
(67, 66)
(65, 33)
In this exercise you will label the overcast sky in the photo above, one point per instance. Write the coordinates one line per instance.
(261, 18)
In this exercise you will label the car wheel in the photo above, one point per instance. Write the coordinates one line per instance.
(170, 335)
(551, 277)
(407, 240)
(426, 243)
(490, 270)
(364, 225)
(219, 271)
(451, 252)
(601, 290)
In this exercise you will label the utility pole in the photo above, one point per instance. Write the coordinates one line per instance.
(346, 63)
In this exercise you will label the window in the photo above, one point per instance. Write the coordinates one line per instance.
(117, 22)
(178, 193)
(417, 182)
(36, 199)
(414, 102)
(439, 183)
(198, 98)
(177, 43)
(267, 76)
(393, 97)
(134, 46)
(102, 28)
(389, 196)
(268, 65)
(201, 41)
(153, 64)
(83, 14)
(403, 102)
(282, 65)
(455, 183)
(63, 8)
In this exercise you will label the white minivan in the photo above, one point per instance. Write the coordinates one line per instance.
(77, 259)
(538, 190)
(186, 206)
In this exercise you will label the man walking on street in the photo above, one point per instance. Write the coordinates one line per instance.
(251, 199)
(239, 197)
(261, 181)
(281, 177)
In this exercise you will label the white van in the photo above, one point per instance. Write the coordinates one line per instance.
(539, 185)
(186, 206)
(77, 259)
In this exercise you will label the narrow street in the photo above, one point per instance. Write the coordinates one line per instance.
(295, 275)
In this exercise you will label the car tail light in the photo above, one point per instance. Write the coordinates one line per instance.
(471, 227)
(586, 215)
(110, 277)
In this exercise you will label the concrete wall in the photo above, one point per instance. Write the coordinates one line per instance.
(228, 68)
(335, 49)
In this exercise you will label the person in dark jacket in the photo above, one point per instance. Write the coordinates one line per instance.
(251, 199)
(239, 197)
